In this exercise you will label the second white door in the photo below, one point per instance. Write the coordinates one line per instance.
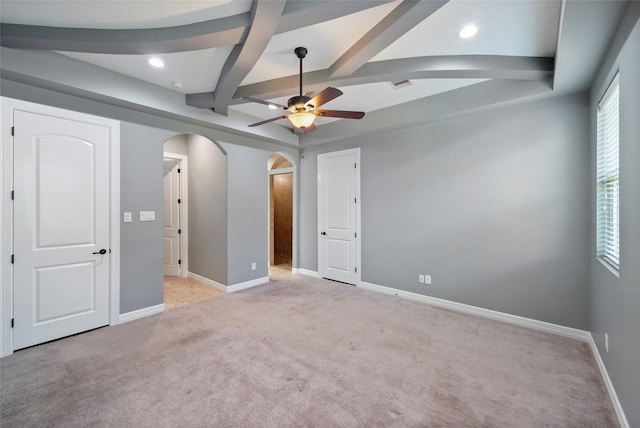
(338, 215)
(172, 231)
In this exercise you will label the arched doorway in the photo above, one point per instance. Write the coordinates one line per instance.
(195, 233)
(281, 215)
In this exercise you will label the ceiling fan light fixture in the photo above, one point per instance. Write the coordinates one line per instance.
(303, 108)
(302, 119)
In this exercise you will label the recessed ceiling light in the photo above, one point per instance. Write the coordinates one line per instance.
(177, 84)
(273, 106)
(156, 62)
(468, 31)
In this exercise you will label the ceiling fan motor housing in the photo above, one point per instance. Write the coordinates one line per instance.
(298, 102)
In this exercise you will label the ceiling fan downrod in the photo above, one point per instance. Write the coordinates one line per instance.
(300, 53)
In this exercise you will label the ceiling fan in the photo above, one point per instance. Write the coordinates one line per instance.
(303, 109)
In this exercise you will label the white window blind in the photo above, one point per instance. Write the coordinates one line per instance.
(608, 217)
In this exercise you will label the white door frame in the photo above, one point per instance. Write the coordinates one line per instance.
(8, 106)
(356, 152)
(184, 210)
(294, 233)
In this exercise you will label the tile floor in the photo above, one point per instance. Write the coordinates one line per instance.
(281, 267)
(179, 292)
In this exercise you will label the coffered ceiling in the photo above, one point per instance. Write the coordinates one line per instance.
(216, 52)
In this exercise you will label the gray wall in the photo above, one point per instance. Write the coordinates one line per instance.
(141, 242)
(207, 209)
(615, 301)
(493, 205)
(248, 216)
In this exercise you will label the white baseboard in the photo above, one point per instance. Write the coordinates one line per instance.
(207, 281)
(231, 288)
(141, 313)
(248, 284)
(607, 381)
(306, 272)
(485, 313)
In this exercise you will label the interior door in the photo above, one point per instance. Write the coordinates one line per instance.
(338, 192)
(171, 217)
(61, 227)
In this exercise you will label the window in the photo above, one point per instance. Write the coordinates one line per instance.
(608, 217)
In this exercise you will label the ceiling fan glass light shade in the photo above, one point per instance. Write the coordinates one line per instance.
(303, 119)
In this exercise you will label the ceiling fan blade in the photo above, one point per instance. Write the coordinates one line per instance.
(268, 120)
(267, 103)
(324, 97)
(345, 114)
(301, 131)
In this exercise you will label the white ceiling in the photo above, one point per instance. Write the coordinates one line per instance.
(197, 71)
(520, 28)
(505, 28)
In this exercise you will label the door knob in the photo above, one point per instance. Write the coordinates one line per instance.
(323, 233)
(102, 251)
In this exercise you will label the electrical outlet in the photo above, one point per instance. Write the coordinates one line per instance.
(127, 217)
(253, 266)
(606, 342)
(427, 279)
(421, 279)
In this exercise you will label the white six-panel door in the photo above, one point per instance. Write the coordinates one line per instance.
(338, 199)
(61, 227)
(171, 218)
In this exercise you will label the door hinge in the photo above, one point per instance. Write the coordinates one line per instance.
(13, 258)
(355, 200)
(178, 170)
(13, 195)
(12, 322)
(13, 131)
(179, 262)
(179, 231)
(355, 235)
(355, 165)
(179, 200)
(356, 269)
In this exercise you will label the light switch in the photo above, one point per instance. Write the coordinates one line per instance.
(147, 215)
(127, 217)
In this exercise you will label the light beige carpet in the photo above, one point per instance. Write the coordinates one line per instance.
(306, 352)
